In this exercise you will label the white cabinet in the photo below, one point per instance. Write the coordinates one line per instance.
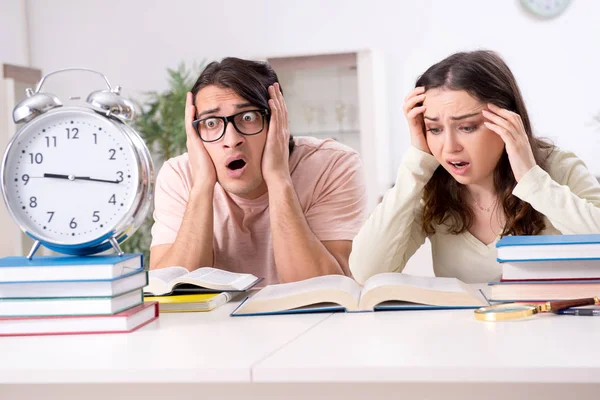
(341, 96)
(13, 82)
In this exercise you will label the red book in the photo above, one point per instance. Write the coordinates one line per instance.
(123, 322)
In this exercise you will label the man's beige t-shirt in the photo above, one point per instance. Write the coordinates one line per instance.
(329, 181)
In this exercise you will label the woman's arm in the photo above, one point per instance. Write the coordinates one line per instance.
(393, 232)
(570, 201)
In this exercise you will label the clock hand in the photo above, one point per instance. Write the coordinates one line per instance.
(81, 178)
(58, 176)
(87, 178)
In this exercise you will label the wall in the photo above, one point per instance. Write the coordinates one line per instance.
(555, 61)
(13, 33)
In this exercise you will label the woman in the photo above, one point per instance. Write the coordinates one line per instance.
(473, 174)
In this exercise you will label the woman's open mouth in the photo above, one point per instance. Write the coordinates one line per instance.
(459, 167)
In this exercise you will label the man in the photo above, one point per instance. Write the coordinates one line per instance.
(247, 197)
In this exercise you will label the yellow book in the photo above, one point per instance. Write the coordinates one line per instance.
(191, 302)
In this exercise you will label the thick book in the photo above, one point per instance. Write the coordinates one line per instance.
(203, 280)
(123, 322)
(56, 306)
(542, 290)
(89, 288)
(386, 291)
(548, 247)
(551, 270)
(192, 302)
(68, 268)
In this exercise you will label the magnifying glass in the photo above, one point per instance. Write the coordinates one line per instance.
(508, 311)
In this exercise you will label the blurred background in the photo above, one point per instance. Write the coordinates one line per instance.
(345, 65)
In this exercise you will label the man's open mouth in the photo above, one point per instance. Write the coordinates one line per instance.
(236, 164)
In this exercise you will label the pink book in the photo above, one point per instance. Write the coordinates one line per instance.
(123, 322)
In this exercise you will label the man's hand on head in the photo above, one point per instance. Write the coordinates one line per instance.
(204, 176)
(275, 160)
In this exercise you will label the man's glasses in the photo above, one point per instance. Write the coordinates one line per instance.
(249, 122)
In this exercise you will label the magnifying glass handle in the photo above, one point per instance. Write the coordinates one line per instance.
(554, 306)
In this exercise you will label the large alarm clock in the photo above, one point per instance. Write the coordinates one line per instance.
(77, 179)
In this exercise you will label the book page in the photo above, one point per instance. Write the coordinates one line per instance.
(338, 289)
(159, 280)
(167, 274)
(218, 279)
(422, 282)
(327, 282)
(434, 291)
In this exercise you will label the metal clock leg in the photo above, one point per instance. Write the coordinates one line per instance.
(34, 248)
(116, 246)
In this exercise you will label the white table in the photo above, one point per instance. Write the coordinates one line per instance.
(412, 354)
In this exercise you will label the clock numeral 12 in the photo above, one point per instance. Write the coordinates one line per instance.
(74, 132)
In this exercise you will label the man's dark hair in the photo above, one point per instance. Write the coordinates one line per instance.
(249, 79)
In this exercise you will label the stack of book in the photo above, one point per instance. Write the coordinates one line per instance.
(544, 268)
(204, 289)
(68, 294)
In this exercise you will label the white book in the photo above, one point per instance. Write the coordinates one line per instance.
(551, 270)
(165, 280)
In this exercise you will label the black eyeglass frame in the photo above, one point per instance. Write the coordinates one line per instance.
(231, 118)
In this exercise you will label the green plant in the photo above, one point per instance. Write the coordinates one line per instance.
(162, 126)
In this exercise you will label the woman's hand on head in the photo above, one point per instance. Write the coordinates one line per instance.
(204, 176)
(413, 111)
(509, 126)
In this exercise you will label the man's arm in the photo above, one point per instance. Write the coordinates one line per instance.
(299, 254)
(193, 247)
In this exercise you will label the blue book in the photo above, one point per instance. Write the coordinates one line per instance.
(548, 247)
(136, 279)
(68, 268)
(382, 292)
(57, 306)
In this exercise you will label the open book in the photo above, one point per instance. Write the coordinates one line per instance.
(387, 291)
(203, 280)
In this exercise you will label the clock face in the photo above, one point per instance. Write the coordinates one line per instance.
(546, 8)
(70, 176)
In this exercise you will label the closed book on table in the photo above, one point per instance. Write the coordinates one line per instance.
(192, 302)
(548, 247)
(123, 322)
(543, 290)
(551, 270)
(68, 268)
(92, 288)
(69, 305)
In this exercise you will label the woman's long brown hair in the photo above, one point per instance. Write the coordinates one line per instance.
(485, 76)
